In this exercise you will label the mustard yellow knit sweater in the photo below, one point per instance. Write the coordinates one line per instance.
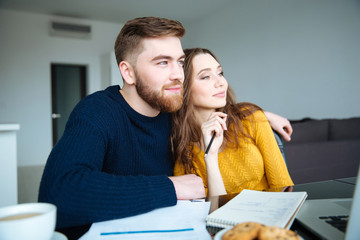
(255, 166)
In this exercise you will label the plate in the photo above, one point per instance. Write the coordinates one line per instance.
(58, 236)
(220, 233)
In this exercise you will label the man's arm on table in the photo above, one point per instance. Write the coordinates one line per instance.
(188, 187)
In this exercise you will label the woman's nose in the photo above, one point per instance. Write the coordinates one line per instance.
(219, 81)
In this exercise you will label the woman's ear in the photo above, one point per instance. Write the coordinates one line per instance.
(127, 72)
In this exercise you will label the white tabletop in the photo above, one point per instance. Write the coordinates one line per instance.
(9, 126)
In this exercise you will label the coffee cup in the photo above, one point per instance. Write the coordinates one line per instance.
(27, 221)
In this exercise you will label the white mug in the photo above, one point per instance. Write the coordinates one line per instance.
(28, 221)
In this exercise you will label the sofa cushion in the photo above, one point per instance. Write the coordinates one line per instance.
(320, 161)
(344, 129)
(310, 131)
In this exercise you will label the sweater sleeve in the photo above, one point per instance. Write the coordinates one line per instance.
(275, 168)
(73, 180)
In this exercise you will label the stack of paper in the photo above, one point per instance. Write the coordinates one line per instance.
(185, 221)
(269, 208)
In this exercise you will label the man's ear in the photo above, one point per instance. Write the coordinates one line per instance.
(127, 72)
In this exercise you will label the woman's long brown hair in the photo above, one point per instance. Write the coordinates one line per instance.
(185, 130)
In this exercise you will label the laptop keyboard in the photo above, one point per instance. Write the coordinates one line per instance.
(338, 222)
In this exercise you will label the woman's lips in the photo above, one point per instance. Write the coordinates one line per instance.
(220, 94)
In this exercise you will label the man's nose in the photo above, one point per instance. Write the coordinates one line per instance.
(177, 72)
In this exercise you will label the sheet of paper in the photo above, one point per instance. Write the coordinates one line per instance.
(269, 208)
(185, 221)
(266, 210)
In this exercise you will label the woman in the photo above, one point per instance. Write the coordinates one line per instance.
(244, 153)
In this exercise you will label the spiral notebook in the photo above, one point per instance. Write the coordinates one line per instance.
(269, 208)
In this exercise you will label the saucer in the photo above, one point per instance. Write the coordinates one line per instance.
(58, 236)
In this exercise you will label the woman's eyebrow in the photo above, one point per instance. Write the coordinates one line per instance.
(204, 70)
(208, 69)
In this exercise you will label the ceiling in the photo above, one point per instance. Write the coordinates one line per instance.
(119, 11)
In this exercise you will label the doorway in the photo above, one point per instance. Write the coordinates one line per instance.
(68, 87)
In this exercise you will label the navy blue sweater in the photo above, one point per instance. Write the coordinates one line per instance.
(111, 162)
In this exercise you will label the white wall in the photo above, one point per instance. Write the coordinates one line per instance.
(26, 53)
(299, 58)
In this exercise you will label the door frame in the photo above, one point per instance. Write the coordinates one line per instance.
(54, 110)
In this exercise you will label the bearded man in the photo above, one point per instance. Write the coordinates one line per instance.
(114, 159)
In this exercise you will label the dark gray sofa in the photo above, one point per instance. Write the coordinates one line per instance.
(323, 149)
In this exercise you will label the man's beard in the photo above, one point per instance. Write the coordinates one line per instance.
(156, 99)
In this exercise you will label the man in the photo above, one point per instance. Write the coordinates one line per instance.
(114, 158)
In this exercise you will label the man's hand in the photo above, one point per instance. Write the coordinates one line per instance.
(280, 124)
(188, 187)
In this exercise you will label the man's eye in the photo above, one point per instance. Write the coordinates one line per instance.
(181, 62)
(162, 63)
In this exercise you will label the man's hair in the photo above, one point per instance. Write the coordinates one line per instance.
(128, 44)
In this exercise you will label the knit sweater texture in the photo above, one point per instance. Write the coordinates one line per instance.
(255, 165)
(111, 162)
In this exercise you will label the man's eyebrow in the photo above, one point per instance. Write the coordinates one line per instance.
(159, 57)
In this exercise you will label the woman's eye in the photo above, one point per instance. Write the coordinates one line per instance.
(205, 77)
(221, 74)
